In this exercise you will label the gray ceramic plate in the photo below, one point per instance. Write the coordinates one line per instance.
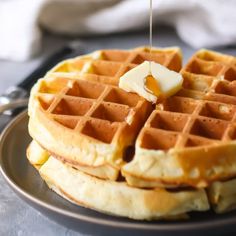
(25, 181)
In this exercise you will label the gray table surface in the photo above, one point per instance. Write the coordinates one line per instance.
(16, 217)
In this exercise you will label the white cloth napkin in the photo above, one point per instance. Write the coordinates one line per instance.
(199, 23)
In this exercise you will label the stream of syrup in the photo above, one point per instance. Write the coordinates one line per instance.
(150, 83)
(150, 36)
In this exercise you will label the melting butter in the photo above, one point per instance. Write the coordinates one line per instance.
(162, 82)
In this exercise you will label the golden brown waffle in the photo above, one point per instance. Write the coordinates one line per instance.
(86, 123)
(116, 198)
(107, 66)
(113, 197)
(189, 139)
(79, 116)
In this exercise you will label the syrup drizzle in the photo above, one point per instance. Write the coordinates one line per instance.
(150, 36)
(150, 84)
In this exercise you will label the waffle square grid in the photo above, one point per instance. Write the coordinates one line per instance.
(203, 112)
(107, 66)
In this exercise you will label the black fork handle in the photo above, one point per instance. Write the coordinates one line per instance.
(63, 53)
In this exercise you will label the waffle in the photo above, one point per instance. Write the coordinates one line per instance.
(117, 198)
(107, 66)
(222, 195)
(84, 129)
(36, 155)
(85, 123)
(189, 139)
(79, 116)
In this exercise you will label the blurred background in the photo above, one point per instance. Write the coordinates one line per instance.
(32, 30)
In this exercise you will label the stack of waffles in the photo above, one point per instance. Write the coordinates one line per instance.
(103, 148)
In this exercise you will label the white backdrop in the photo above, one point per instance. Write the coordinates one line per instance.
(200, 23)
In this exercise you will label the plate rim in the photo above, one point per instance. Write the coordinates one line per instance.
(208, 224)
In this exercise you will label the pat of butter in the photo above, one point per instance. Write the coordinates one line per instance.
(168, 81)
